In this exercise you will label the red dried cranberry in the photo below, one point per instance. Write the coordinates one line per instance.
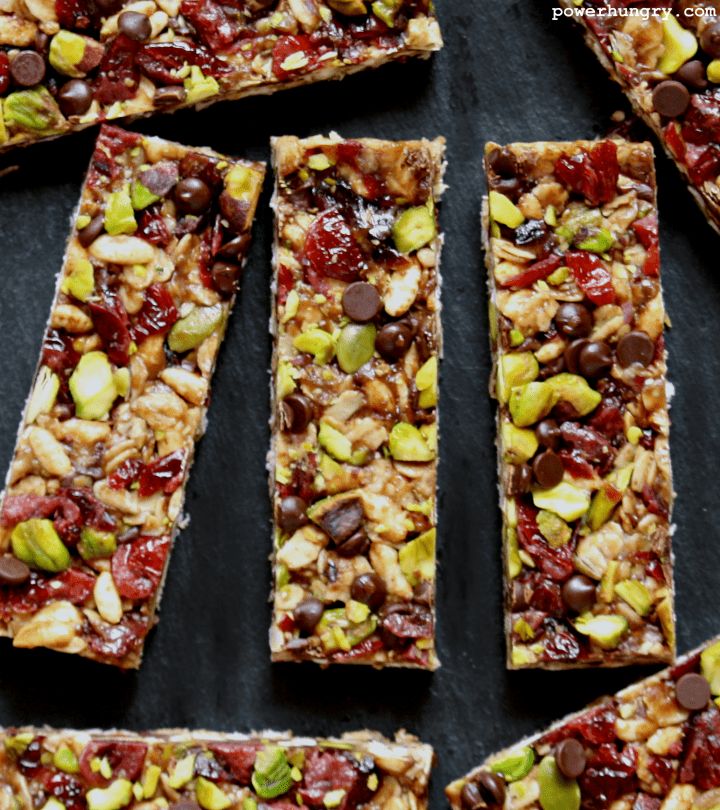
(161, 61)
(118, 75)
(654, 502)
(4, 71)
(212, 24)
(364, 649)
(29, 761)
(118, 640)
(645, 802)
(237, 758)
(546, 596)
(655, 570)
(158, 313)
(94, 513)
(575, 464)
(703, 165)
(164, 474)
(608, 418)
(609, 774)
(349, 152)
(72, 585)
(331, 248)
(137, 567)
(302, 483)
(592, 174)
(557, 563)
(126, 759)
(561, 646)
(58, 353)
(66, 515)
(290, 45)
(408, 621)
(701, 763)
(596, 726)
(66, 789)
(702, 120)
(535, 272)
(591, 275)
(111, 323)
(587, 443)
(152, 226)
(77, 15)
(663, 769)
(127, 473)
(326, 771)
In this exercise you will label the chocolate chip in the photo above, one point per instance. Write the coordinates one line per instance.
(108, 7)
(570, 758)
(470, 796)
(166, 96)
(192, 194)
(670, 98)
(572, 355)
(342, 519)
(361, 302)
(224, 277)
(307, 614)
(393, 340)
(91, 231)
(75, 97)
(356, 545)
(235, 248)
(492, 788)
(502, 162)
(548, 433)
(13, 571)
(519, 479)
(297, 412)
(27, 68)
(291, 513)
(710, 40)
(635, 347)
(134, 25)
(693, 75)
(579, 593)
(573, 320)
(595, 359)
(693, 692)
(369, 589)
(548, 469)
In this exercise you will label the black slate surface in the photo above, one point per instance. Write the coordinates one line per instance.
(507, 73)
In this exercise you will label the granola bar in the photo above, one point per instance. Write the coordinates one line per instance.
(668, 64)
(95, 491)
(357, 342)
(655, 744)
(109, 770)
(577, 321)
(68, 64)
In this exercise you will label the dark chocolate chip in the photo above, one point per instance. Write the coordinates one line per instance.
(492, 788)
(548, 433)
(291, 513)
(108, 7)
(361, 302)
(670, 98)
(224, 277)
(710, 40)
(393, 340)
(91, 231)
(572, 355)
(307, 614)
(470, 796)
(635, 347)
(193, 195)
(693, 75)
(595, 359)
(134, 25)
(27, 69)
(75, 97)
(167, 96)
(369, 589)
(356, 545)
(342, 519)
(573, 320)
(519, 480)
(579, 593)
(502, 162)
(235, 248)
(693, 692)
(570, 758)
(298, 412)
(548, 469)
(13, 571)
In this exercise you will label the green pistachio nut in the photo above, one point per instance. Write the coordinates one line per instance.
(516, 765)
(65, 759)
(3, 129)
(318, 343)
(182, 772)
(352, 8)
(680, 45)
(605, 630)
(116, 795)
(576, 218)
(122, 381)
(80, 281)
(636, 595)
(573, 389)
(386, 10)
(531, 402)
(189, 332)
(417, 558)
(504, 210)
(666, 613)
(598, 242)
(119, 214)
(271, 775)
(43, 395)
(66, 53)
(426, 382)
(518, 444)
(53, 804)
(603, 505)
(33, 110)
(141, 196)
(408, 444)
(95, 544)
(209, 796)
(285, 379)
(414, 228)
(334, 442)
(513, 370)
(38, 545)
(319, 162)
(92, 386)
(198, 87)
(18, 743)
(710, 666)
(556, 792)
(564, 500)
(512, 551)
(355, 346)
(553, 529)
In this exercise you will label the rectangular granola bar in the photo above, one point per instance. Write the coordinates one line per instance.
(577, 321)
(666, 62)
(68, 64)
(357, 342)
(95, 491)
(655, 744)
(110, 770)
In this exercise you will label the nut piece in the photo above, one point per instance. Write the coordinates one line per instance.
(56, 626)
(107, 598)
(49, 452)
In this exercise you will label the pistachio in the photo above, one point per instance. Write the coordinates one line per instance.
(407, 443)
(553, 529)
(141, 196)
(189, 332)
(504, 211)
(556, 792)
(516, 765)
(92, 386)
(565, 500)
(271, 774)
(116, 795)
(80, 281)
(598, 242)
(355, 346)
(512, 553)
(338, 632)
(605, 630)
(38, 545)
(198, 86)
(334, 442)
(680, 45)
(182, 772)
(518, 444)
(43, 395)
(426, 382)
(351, 8)
(317, 342)
(636, 595)
(95, 544)
(386, 10)
(65, 759)
(119, 214)
(603, 505)
(33, 110)
(710, 667)
(74, 55)
(414, 228)
(529, 403)
(575, 390)
(513, 370)
(243, 183)
(417, 558)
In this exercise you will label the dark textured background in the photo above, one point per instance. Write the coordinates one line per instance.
(507, 73)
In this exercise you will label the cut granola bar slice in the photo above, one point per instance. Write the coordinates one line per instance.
(109, 770)
(655, 744)
(666, 62)
(68, 64)
(577, 322)
(357, 342)
(95, 492)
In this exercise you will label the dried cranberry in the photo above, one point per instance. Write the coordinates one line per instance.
(608, 419)
(655, 570)
(66, 789)
(575, 464)
(546, 596)
(77, 15)
(591, 275)
(701, 762)
(58, 353)
(285, 282)
(118, 640)
(654, 502)
(587, 444)
(364, 649)
(127, 473)
(237, 758)
(111, 323)
(535, 272)
(30, 760)
(331, 248)
(126, 759)
(197, 164)
(4, 71)
(163, 474)
(152, 226)
(609, 774)
(663, 769)
(158, 313)
(645, 802)
(118, 75)
(561, 646)
(557, 563)
(408, 621)
(704, 164)
(287, 46)
(702, 120)
(65, 514)
(326, 771)
(302, 482)
(94, 513)
(596, 726)
(137, 567)
(592, 174)
(161, 61)
(212, 24)
(72, 585)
